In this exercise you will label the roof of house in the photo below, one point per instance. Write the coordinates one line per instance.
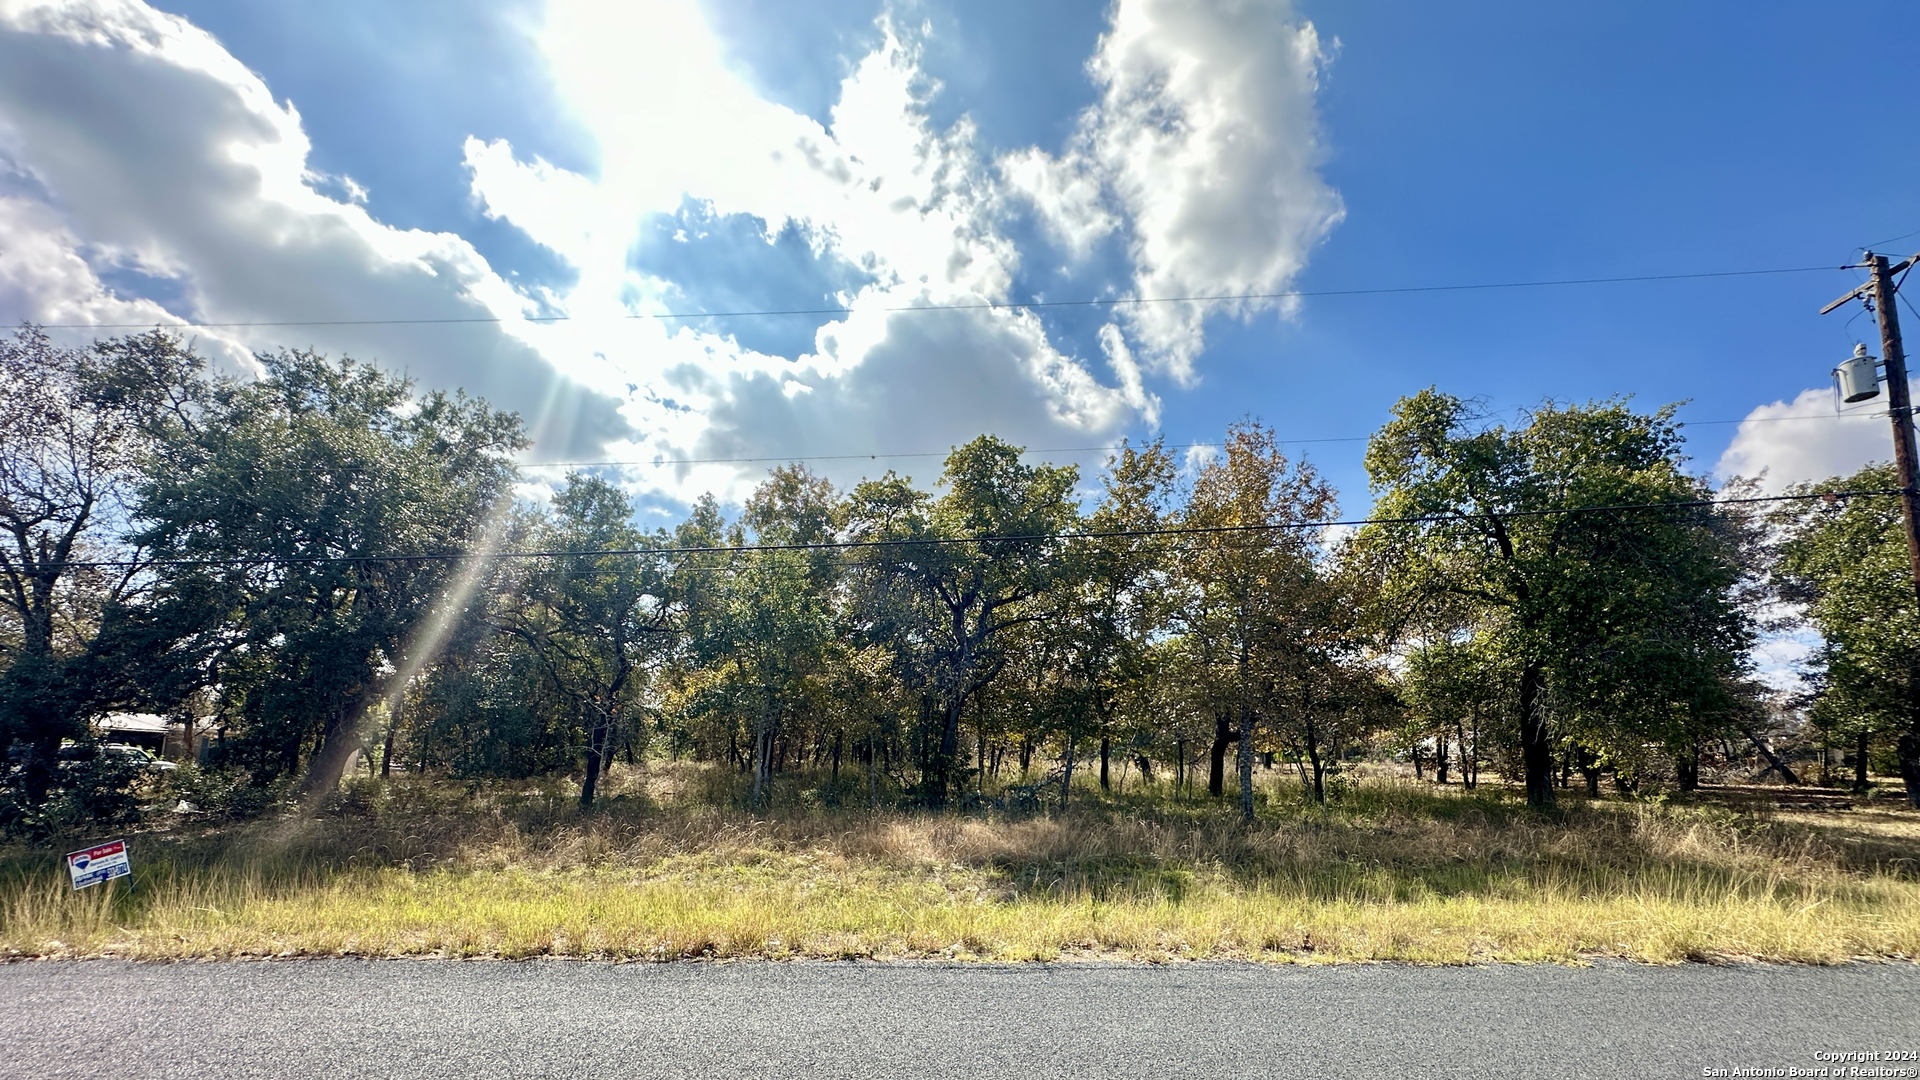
(141, 722)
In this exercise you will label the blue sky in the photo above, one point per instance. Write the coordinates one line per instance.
(460, 159)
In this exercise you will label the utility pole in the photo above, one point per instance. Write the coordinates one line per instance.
(1879, 293)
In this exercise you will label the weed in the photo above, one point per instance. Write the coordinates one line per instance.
(665, 869)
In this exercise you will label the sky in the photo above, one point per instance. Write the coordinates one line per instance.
(510, 196)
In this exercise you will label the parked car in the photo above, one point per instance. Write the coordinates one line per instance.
(71, 752)
(137, 755)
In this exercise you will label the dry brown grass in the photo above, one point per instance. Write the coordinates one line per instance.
(1394, 871)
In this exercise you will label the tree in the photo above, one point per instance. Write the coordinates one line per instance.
(316, 523)
(1112, 601)
(75, 426)
(977, 560)
(1457, 688)
(596, 615)
(1328, 689)
(1495, 528)
(1843, 561)
(1251, 583)
(770, 635)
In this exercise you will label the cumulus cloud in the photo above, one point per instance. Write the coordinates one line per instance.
(1201, 152)
(1789, 442)
(1206, 140)
(42, 273)
(143, 144)
(877, 187)
(133, 143)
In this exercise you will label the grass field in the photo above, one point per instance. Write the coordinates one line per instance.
(1393, 871)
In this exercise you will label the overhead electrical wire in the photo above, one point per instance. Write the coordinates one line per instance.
(947, 541)
(1010, 305)
(1888, 240)
(661, 463)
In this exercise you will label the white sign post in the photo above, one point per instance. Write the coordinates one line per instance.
(97, 864)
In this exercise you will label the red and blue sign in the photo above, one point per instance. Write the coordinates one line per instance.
(103, 862)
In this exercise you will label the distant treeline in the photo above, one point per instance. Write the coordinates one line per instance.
(322, 561)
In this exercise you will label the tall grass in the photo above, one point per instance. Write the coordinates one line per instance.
(1392, 871)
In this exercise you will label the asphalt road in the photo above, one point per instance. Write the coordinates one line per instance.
(361, 1019)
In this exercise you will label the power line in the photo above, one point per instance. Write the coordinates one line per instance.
(946, 541)
(1011, 305)
(662, 463)
(1888, 240)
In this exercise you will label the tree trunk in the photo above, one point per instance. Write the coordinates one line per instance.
(1909, 751)
(1774, 764)
(1861, 752)
(1026, 755)
(1589, 763)
(1217, 772)
(1906, 749)
(1419, 773)
(1440, 759)
(1106, 752)
(386, 755)
(980, 769)
(762, 768)
(1313, 755)
(596, 749)
(1687, 768)
(41, 766)
(946, 762)
(1066, 772)
(337, 743)
(1469, 760)
(1246, 766)
(1536, 753)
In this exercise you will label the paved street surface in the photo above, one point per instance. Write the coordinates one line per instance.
(361, 1019)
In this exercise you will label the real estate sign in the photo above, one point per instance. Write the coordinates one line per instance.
(103, 862)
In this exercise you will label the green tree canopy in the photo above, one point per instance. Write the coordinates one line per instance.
(980, 560)
(316, 519)
(1577, 539)
(1843, 560)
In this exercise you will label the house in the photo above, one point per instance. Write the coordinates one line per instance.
(163, 736)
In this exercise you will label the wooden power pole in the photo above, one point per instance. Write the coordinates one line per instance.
(1879, 292)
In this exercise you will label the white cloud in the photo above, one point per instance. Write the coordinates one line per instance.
(553, 206)
(42, 272)
(1206, 138)
(1132, 387)
(1068, 196)
(142, 143)
(1789, 442)
(138, 141)
(1203, 147)
(879, 187)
